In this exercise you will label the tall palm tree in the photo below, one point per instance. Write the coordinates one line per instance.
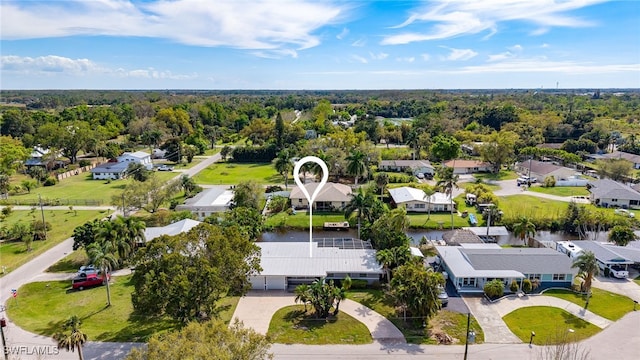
(382, 180)
(360, 204)
(101, 255)
(428, 193)
(302, 295)
(284, 165)
(397, 219)
(72, 340)
(587, 264)
(524, 228)
(385, 259)
(447, 181)
(356, 164)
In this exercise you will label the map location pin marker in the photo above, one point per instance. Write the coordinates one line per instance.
(310, 198)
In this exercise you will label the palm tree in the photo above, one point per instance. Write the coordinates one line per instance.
(524, 228)
(71, 340)
(356, 164)
(385, 259)
(302, 295)
(428, 193)
(361, 204)
(284, 165)
(447, 181)
(101, 255)
(397, 219)
(131, 231)
(382, 179)
(588, 266)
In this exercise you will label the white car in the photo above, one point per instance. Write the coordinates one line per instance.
(525, 180)
(624, 212)
(165, 168)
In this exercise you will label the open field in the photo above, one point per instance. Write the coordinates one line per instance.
(531, 207)
(233, 173)
(604, 303)
(42, 306)
(14, 254)
(81, 187)
(550, 325)
(291, 325)
(301, 219)
(451, 323)
(561, 190)
(502, 175)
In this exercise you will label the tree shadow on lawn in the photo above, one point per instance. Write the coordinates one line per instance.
(300, 319)
(573, 321)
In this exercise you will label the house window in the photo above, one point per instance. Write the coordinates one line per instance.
(363, 275)
(614, 200)
(469, 282)
(419, 206)
(534, 277)
(633, 202)
(559, 277)
(300, 201)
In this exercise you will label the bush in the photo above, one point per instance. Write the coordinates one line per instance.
(84, 162)
(526, 286)
(494, 289)
(6, 211)
(358, 284)
(50, 181)
(549, 181)
(278, 204)
(513, 286)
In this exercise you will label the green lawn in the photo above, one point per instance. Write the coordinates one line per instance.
(637, 280)
(561, 190)
(301, 220)
(502, 175)
(14, 254)
(70, 263)
(291, 325)
(419, 220)
(233, 173)
(604, 303)
(454, 324)
(531, 207)
(81, 187)
(42, 306)
(550, 325)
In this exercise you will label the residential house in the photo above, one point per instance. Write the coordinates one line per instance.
(471, 266)
(332, 196)
(176, 228)
(610, 193)
(110, 170)
(458, 237)
(40, 157)
(288, 264)
(608, 256)
(633, 158)
(210, 201)
(415, 166)
(140, 157)
(468, 166)
(415, 200)
(542, 170)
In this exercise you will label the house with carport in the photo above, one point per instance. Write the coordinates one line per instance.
(415, 200)
(610, 193)
(286, 265)
(609, 256)
(471, 266)
(542, 170)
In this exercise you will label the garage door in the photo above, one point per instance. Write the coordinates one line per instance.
(276, 283)
(258, 282)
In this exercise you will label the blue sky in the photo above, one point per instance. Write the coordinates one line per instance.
(316, 44)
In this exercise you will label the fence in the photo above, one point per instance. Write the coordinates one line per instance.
(52, 202)
(77, 171)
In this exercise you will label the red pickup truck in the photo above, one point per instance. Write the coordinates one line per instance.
(91, 279)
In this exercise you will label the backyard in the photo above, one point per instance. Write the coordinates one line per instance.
(43, 306)
(234, 173)
(551, 325)
(14, 254)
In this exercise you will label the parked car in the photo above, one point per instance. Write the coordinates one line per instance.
(88, 280)
(87, 268)
(624, 212)
(165, 168)
(443, 297)
(420, 175)
(525, 180)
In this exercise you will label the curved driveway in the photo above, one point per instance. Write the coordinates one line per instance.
(256, 309)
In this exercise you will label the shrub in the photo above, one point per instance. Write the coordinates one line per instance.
(513, 286)
(278, 204)
(549, 181)
(494, 289)
(84, 162)
(273, 188)
(526, 286)
(6, 211)
(358, 284)
(50, 181)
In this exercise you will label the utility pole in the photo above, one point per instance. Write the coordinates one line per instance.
(466, 343)
(5, 350)
(44, 224)
(124, 209)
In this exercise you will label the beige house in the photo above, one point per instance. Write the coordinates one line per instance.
(468, 166)
(542, 170)
(332, 196)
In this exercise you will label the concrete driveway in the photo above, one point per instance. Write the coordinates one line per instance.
(625, 287)
(256, 309)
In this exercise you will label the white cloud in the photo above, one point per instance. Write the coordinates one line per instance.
(516, 48)
(460, 54)
(359, 43)
(58, 65)
(256, 25)
(451, 18)
(425, 57)
(501, 56)
(545, 45)
(378, 56)
(342, 34)
(409, 59)
(359, 59)
(538, 65)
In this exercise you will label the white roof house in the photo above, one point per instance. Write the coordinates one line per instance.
(287, 264)
(176, 228)
(332, 196)
(212, 200)
(416, 200)
(140, 157)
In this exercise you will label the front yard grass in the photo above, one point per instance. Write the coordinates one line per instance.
(532, 207)
(550, 324)
(70, 263)
(234, 173)
(80, 187)
(43, 306)
(502, 175)
(301, 219)
(561, 190)
(637, 280)
(452, 323)
(604, 303)
(291, 325)
(13, 254)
